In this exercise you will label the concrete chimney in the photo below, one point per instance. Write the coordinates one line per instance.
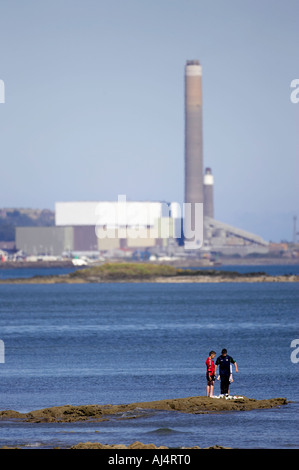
(208, 192)
(193, 142)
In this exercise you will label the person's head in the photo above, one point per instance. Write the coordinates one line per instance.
(212, 354)
(224, 352)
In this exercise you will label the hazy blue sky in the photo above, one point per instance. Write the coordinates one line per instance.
(94, 103)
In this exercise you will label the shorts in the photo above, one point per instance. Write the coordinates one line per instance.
(210, 382)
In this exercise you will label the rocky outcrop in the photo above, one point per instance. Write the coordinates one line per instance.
(194, 405)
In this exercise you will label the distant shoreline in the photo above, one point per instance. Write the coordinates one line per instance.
(187, 263)
(149, 272)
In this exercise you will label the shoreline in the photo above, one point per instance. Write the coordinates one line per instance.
(202, 278)
(184, 262)
(120, 272)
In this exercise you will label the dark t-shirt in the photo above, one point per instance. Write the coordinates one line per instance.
(224, 363)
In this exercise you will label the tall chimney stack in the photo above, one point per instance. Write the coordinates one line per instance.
(208, 192)
(193, 143)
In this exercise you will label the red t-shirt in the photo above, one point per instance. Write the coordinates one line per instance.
(210, 366)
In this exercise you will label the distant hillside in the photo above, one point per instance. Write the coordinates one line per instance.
(12, 218)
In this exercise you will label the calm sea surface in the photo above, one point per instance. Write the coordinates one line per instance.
(121, 343)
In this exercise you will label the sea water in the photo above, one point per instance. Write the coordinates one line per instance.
(128, 342)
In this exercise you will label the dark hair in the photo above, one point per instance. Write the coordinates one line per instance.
(211, 352)
(224, 351)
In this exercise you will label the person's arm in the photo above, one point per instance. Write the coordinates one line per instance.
(235, 364)
(216, 365)
(209, 368)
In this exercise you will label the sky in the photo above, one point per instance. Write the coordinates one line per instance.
(94, 104)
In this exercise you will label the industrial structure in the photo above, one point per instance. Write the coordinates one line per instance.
(194, 196)
(199, 188)
(117, 227)
(208, 194)
(122, 227)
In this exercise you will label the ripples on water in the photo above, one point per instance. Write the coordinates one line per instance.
(122, 343)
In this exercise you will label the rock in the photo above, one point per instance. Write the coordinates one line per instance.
(193, 405)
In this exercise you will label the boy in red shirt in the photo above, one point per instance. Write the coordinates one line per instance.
(210, 373)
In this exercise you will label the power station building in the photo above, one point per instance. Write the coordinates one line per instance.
(104, 226)
(115, 226)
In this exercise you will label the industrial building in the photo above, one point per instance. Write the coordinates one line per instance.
(104, 226)
(227, 240)
(45, 240)
(121, 226)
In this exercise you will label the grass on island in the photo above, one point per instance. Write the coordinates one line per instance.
(139, 271)
(127, 270)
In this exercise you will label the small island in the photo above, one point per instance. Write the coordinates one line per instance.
(149, 272)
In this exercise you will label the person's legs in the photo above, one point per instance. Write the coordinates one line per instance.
(224, 384)
(210, 387)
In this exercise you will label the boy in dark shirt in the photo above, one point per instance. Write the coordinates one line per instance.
(224, 361)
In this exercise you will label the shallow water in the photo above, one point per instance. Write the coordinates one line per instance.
(123, 343)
